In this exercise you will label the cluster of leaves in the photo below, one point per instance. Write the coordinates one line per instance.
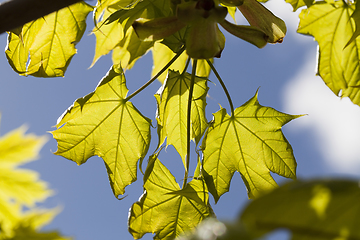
(22, 188)
(106, 124)
(315, 209)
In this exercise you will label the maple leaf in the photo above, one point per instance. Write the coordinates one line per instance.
(115, 31)
(332, 27)
(22, 188)
(172, 99)
(50, 54)
(164, 208)
(312, 209)
(24, 185)
(103, 123)
(250, 142)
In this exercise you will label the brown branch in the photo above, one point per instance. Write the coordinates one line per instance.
(15, 13)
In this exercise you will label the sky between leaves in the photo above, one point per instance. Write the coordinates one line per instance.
(296, 110)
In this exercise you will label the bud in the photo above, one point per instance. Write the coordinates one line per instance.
(250, 34)
(204, 40)
(260, 17)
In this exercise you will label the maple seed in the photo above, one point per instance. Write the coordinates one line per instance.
(260, 17)
(250, 34)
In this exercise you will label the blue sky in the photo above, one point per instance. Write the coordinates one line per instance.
(325, 142)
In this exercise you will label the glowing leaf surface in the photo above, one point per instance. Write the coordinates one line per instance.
(44, 47)
(250, 142)
(103, 123)
(164, 209)
(172, 99)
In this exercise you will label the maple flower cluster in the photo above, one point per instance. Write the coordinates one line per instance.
(204, 39)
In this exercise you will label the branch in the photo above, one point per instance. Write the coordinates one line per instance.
(15, 13)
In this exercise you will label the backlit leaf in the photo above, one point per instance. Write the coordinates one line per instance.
(21, 188)
(161, 56)
(203, 69)
(296, 4)
(29, 224)
(148, 9)
(44, 47)
(108, 36)
(165, 209)
(24, 185)
(130, 49)
(332, 26)
(103, 123)
(250, 142)
(102, 6)
(317, 209)
(356, 17)
(172, 99)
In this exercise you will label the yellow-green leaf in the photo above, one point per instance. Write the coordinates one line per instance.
(21, 185)
(161, 56)
(102, 6)
(296, 4)
(203, 69)
(172, 99)
(103, 123)
(317, 209)
(356, 17)
(44, 47)
(250, 142)
(332, 26)
(148, 9)
(21, 188)
(130, 49)
(108, 36)
(17, 148)
(9, 216)
(165, 209)
(29, 225)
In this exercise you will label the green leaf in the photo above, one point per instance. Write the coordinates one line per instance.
(29, 225)
(172, 99)
(108, 36)
(332, 26)
(130, 49)
(44, 47)
(21, 188)
(164, 209)
(356, 17)
(296, 4)
(103, 123)
(21, 185)
(250, 142)
(316, 209)
(161, 56)
(104, 6)
(203, 69)
(148, 9)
